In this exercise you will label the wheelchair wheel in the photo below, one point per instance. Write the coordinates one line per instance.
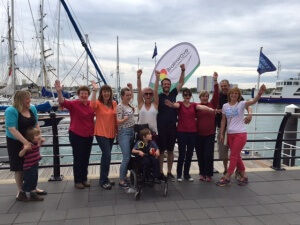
(133, 179)
(165, 189)
(137, 194)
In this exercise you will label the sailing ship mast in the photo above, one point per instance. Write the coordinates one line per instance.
(118, 86)
(13, 72)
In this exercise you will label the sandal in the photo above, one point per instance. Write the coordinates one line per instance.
(106, 186)
(243, 181)
(208, 179)
(223, 182)
(202, 178)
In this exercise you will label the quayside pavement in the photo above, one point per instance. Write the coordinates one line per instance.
(271, 197)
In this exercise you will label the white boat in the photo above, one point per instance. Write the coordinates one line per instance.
(286, 91)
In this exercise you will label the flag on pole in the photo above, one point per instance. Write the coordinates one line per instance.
(154, 52)
(264, 65)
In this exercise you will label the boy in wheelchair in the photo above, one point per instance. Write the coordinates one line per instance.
(147, 155)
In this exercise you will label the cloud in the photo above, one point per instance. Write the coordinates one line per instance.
(228, 34)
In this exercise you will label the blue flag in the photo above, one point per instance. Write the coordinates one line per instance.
(264, 65)
(154, 52)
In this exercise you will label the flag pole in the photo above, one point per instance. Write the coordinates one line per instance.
(256, 106)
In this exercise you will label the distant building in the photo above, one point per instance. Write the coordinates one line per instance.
(205, 83)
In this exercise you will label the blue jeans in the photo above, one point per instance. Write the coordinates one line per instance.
(186, 145)
(81, 147)
(30, 179)
(125, 139)
(105, 145)
(205, 154)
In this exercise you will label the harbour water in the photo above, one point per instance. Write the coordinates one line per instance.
(263, 124)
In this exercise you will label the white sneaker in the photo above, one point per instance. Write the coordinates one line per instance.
(190, 179)
(179, 179)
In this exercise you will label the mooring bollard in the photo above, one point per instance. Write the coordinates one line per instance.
(291, 126)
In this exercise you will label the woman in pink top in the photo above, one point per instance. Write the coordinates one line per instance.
(81, 131)
(206, 129)
(186, 132)
(105, 128)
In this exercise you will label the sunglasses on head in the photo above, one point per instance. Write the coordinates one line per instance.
(187, 95)
(148, 93)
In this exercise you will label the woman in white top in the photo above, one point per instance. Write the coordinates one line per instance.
(148, 102)
(233, 115)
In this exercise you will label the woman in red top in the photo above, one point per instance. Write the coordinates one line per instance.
(81, 131)
(206, 129)
(186, 132)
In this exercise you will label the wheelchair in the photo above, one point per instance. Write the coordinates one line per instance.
(139, 180)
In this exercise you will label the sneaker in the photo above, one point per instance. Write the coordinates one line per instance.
(35, 197)
(126, 180)
(106, 186)
(179, 179)
(86, 183)
(202, 178)
(79, 186)
(223, 182)
(112, 183)
(162, 177)
(157, 181)
(124, 185)
(243, 181)
(171, 177)
(22, 197)
(189, 178)
(208, 179)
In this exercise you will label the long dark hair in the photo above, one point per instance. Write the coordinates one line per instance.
(106, 87)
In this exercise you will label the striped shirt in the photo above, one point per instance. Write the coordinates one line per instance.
(32, 157)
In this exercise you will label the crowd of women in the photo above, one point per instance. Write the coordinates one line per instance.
(192, 124)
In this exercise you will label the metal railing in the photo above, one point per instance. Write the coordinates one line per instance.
(278, 155)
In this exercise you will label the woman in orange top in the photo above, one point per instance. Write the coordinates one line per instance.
(105, 128)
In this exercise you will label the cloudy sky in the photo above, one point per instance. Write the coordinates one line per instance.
(227, 34)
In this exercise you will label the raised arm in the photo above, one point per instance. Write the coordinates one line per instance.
(59, 88)
(257, 97)
(139, 87)
(181, 79)
(155, 94)
(215, 99)
(94, 92)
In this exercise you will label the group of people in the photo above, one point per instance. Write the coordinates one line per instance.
(192, 124)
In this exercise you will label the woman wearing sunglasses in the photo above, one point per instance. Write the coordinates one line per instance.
(186, 132)
(148, 103)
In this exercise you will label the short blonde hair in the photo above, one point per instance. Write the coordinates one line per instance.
(147, 89)
(232, 90)
(202, 93)
(19, 98)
